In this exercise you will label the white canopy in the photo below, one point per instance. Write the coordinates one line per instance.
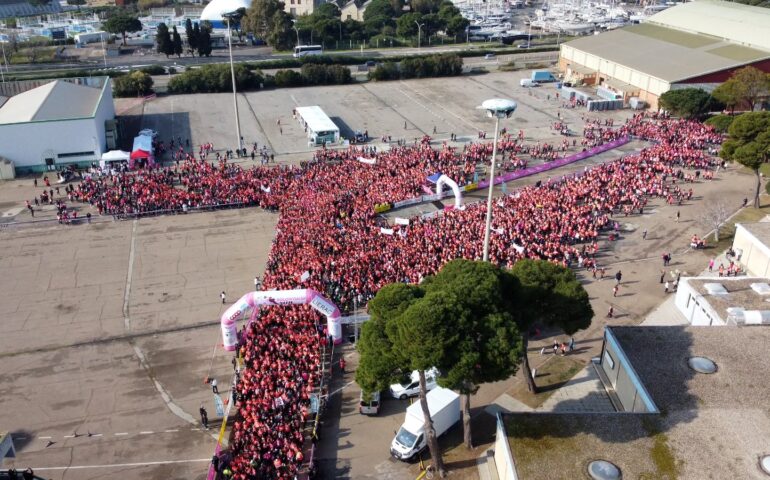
(115, 155)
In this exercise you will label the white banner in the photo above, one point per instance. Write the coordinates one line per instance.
(402, 221)
(322, 306)
(386, 231)
(368, 161)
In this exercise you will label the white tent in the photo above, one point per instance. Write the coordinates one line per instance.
(114, 156)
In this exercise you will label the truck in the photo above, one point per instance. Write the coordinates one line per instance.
(410, 440)
(542, 76)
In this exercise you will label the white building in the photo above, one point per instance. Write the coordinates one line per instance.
(721, 301)
(58, 123)
(751, 244)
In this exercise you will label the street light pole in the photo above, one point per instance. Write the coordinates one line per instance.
(232, 73)
(498, 108)
(295, 29)
(419, 32)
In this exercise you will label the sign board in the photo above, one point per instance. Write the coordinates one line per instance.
(322, 306)
(314, 403)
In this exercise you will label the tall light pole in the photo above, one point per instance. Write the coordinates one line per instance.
(232, 73)
(295, 29)
(498, 108)
(419, 32)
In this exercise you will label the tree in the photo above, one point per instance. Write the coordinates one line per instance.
(484, 343)
(715, 215)
(749, 143)
(136, 83)
(268, 21)
(755, 84)
(176, 42)
(204, 40)
(732, 93)
(460, 321)
(163, 40)
(122, 23)
(192, 36)
(720, 122)
(406, 26)
(379, 8)
(687, 102)
(550, 295)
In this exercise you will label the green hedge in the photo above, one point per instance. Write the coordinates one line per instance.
(215, 78)
(445, 65)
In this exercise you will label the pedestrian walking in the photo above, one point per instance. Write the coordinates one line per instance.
(711, 265)
(342, 364)
(667, 286)
(662, 275)
(678, 214)
(571, 345)
(644, 234)
(256, 283)
(223, 297)
(555, 347)
(204, 417)
(618, 277)
(28, 474)
(610, 312)
(615, 291)
(214, 386)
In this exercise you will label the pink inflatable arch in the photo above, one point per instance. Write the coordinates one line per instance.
(254, 300)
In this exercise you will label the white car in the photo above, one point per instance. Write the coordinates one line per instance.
(412, 388)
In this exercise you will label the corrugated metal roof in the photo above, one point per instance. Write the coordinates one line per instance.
(57, 100)
(316, 119)
(735, 22)
(665, 53)
(17, 8)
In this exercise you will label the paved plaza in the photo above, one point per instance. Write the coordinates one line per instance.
(108, 330)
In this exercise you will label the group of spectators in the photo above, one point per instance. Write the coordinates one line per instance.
(329, 238)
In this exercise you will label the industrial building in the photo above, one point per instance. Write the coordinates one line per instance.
(50, 124)
(694, 44)
(689, 403)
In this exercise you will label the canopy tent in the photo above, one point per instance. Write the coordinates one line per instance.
(434, 178)
(142, 150)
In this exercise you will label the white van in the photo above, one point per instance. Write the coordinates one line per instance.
(412, 388)
(369, 406)
(444, 408)
(527, 82)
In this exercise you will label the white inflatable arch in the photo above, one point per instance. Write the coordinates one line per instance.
(254, 300)
(444, 180)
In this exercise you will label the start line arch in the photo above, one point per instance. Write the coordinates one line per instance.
(445, 180)
(255, 300)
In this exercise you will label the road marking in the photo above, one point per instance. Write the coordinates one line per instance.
(95, 434)
(171, 431)
(146, 433)
(44, 438)
(69, 436)
(120, 434)
(127, 292)
(124, 465)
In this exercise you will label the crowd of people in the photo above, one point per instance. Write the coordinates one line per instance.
(329, 238)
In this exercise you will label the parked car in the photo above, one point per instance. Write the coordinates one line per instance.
(412, 388)
(523, 45)
(370, 405)
(489, 56)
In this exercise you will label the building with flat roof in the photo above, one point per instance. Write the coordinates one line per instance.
(751, 243)
(694, 44)
(49, 124)
(724, 300)
(702, 425)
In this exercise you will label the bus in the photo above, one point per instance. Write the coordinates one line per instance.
(303, 50)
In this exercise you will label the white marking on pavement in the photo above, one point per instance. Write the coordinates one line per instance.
(69, 436)
(96, 435)
(341, 388)
(127, 292)
(171, 431)
(120, 434)
(44, 438)
(146, 433)
(124, 465)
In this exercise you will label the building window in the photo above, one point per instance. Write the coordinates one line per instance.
(293, 11)
(610, 361)
(75, 154)
(350, 17)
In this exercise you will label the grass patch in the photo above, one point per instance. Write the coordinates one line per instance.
(550, 376)
(727, 232)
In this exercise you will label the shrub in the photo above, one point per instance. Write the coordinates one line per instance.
(721, 123)
(215, 78)
(134, 84)
(385, 71)
(153, 70)
(288, 78)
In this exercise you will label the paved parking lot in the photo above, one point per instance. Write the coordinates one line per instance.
(110, 328)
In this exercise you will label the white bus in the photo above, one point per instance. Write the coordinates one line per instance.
(303, 50)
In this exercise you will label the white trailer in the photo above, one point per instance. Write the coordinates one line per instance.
(410, 440)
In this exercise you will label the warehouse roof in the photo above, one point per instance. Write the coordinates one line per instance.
(665, 53)
(316, 119)
(57, 100)
(730, 21)
(711, 426)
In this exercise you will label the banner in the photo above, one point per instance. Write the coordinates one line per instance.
(404, 203)
(471, 187)
(381, 208)
(220, 407)
(368, 161)
(386, 231)
(402, 221)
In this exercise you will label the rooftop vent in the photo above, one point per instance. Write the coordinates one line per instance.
(603, 470)
(702, 365)
(715, 289)
(764, 464)
(761, 288)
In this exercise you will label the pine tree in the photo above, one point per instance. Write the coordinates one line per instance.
(176, 43)
(191, 37)
(163, 39)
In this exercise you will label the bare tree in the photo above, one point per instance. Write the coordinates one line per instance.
(715, 214)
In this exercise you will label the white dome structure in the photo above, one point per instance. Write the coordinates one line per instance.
(214, 10)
